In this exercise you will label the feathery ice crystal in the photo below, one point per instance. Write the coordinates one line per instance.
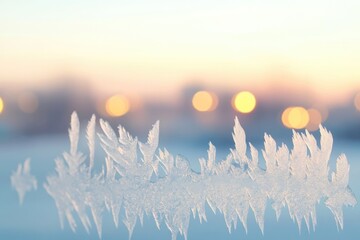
(232, 186)
(23, 181)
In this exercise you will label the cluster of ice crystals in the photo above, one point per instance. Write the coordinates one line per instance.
(164, 186)
(23, 181)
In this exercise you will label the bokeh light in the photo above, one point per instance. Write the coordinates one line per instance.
(1, 105)
(315, 119)
(28, 102)
(204, 101)
(285, 117)
(357, 101)
(295, 117)
(298, 117)
(244, 102)
(117, 105)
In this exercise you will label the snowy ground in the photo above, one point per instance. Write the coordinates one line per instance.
(38, 219)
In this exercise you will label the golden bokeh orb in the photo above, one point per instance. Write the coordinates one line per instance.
(295, 117)
(244, 102)
(1, 105)
(204, 101)
(117, 105)
(298, 117)
(285, 117)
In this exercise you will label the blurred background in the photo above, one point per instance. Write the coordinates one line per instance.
(193, 65)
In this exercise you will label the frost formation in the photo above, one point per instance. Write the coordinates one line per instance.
(23, 181)
(164, 186)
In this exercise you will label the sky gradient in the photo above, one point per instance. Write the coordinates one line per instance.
(163, 45)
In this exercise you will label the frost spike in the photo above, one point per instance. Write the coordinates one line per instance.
(115, 210)
(167, 161)
(313, 219)
(253, 165)
(208, 166)
(90, 134)
(150, 147)
(157, 219)
(258, 209)
(307, 222)
(97, 216)
(71, 220)
(242, 214)
(240, 142)
(211, 156)
(74, 133)
(130, 225)
(23, 181)
(326, 142)
(269, 153)
(26, 169)
(109, 132)
(341, 176)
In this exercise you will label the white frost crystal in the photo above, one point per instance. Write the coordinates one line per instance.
(164, 186)
(23, 181)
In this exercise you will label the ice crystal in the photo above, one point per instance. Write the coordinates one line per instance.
(164, 186)
(23, 181)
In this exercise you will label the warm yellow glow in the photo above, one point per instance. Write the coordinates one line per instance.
(204, 101)
(295, 117)
(117, 106)
(285, 117)
(315, 119)
(357, 101)
(298, 117)
(1, 105)
(28, 102)
(244, 102)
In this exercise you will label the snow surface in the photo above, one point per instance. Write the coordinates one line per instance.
(164, 186)
(23, 181)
